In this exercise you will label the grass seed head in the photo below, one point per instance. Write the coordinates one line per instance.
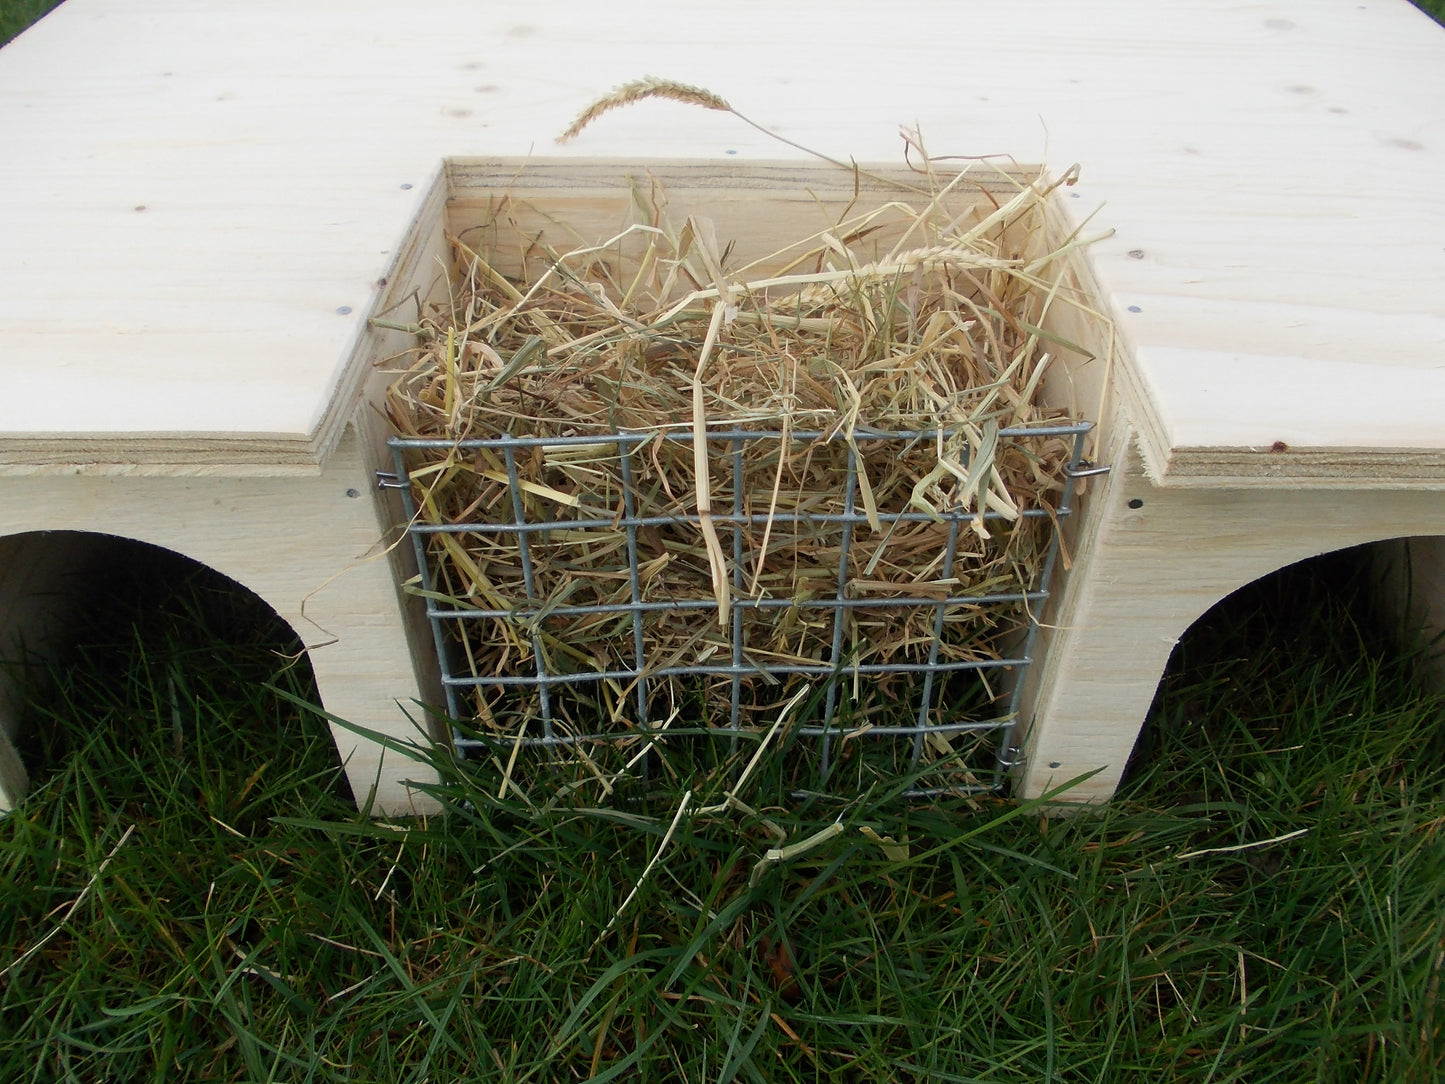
(640, 90)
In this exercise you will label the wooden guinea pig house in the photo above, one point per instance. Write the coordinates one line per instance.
(345, 600)
(208, 218)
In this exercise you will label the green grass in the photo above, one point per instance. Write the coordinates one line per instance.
(194, 897)
(16, 15)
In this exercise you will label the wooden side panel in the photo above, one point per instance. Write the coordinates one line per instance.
(1152, 561)
(310, 548)
(758, 208)
(417, 280)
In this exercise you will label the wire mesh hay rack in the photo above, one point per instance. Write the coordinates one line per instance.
(657, 500)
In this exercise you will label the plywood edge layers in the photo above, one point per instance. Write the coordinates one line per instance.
(131, 454)
(253, 454)
(1269, 466)
(1290, 467)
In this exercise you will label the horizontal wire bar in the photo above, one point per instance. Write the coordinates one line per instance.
(755, 519)
(960, 791)
(584, 677)
(634, 438)
(728, 734)
(912, 729)
(528, 613)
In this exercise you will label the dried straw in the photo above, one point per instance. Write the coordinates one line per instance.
(651, 332)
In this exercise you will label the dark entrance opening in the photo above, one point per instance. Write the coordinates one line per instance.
(133, 668)
(1318, 653)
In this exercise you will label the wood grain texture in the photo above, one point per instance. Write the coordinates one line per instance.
(1150, 561)
(195, 209)
(309, 547)
(767, 213)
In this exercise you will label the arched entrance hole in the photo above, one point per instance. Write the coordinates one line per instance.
(1329, 649)
(113, 646)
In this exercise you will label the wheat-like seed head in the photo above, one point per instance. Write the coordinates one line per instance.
(636, 91)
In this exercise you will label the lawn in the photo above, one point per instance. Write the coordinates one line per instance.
(194, 895)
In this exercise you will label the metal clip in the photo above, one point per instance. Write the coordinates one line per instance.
(1085, 469)
(388, 480)
(1010, 757)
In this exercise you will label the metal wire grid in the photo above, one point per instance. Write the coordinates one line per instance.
(642, 675)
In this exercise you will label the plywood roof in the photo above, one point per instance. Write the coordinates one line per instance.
(201, 196)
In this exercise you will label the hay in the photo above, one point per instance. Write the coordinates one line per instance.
(833, 345)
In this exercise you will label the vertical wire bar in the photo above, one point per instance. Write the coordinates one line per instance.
(925, 699)
(519, 518)
(1008, 749)
(735, 714)
(634, 585)
(831, 702)
(439, 639)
